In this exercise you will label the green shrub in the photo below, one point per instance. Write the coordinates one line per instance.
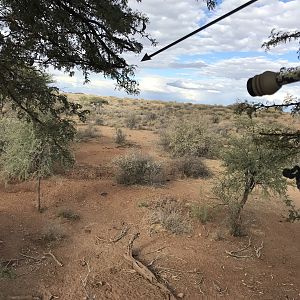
(202, 213)
(192, 166)
(189, 138)
(120, 136)
(137, 168)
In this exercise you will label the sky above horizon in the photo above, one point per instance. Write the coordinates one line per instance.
(212, 66)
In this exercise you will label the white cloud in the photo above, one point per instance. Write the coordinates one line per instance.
(175, 74)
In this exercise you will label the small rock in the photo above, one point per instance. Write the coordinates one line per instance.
(103, 194)
(180, 295)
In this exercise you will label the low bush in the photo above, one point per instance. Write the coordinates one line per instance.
(120, 136)
(170, 214)
(192, 166)
(69, 215)
(131, 121)
(201, 212)
(99, 121)
(189, 139)
(87, 133)
(52, 233)
(137, 168)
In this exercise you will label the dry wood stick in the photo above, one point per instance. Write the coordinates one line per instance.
(120, 236)
(258, 249)
(54, 258)
(144, 271)
(235, 253)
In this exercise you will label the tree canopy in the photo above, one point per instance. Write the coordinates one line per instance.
(90, 34)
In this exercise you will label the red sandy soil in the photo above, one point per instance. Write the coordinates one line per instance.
(194, 265)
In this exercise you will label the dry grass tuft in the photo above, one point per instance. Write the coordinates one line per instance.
(172, 215)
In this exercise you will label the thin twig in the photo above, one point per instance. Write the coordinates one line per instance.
(258, 249)
(54, 258)
(120, 235)
(31, 257)
(235, 253)
(157, 250)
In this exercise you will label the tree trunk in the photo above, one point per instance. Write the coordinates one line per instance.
(237, 220)
(38, 198)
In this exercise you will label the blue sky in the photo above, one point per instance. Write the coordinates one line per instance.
(212, 66)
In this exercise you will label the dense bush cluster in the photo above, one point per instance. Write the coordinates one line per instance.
(192, 166)
(189, 138)
(137, 168)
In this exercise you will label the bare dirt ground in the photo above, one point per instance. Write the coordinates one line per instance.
(90, 266)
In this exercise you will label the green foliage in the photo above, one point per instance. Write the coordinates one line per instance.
(137, 168)
(250, 161)
(7, 272)
(91, 35)
(192, 166)
(120, 136)
(30, 93)
(201, 212)
(294, 213)
(189, 138)
(31, 151)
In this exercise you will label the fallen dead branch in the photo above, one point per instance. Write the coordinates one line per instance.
(85, 280)
(235, 252)
(258, 249)
(116, 238)
(120, 235)
(54, 258)
(144, 271)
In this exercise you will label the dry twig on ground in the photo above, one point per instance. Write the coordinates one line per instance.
(258, 249)
(54, 258)
(120, 235)
(144, 271)
(235, 253)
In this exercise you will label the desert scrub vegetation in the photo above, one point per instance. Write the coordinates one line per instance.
(171, 214)
(201, 212)
(189, 138)
(69, 215)
(251, 161)
(87, 132)
(7, 271)
(120, 136)
(52, 233)
(131, 121)
(191, 166)
(29, 151)
(138, 168)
